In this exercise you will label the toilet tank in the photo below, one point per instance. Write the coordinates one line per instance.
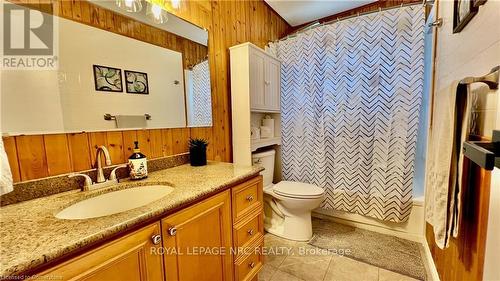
(265, 159)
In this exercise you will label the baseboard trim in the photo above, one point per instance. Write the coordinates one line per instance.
(430, 262)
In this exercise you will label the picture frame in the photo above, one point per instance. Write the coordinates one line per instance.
(463, 12)
(478, 3)
(107, 79)
(136, 82)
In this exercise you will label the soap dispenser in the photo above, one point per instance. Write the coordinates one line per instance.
(138, 164)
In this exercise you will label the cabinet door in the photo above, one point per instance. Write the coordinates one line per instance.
(272, 82)
(197, 241)
(257, 79)
(132, 257)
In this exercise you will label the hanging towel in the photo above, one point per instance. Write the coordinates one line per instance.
(6, 175)
(444, 161)
(131, 121)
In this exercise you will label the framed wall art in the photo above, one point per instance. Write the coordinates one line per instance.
(136, 82)
(107, 79)
(463, 12)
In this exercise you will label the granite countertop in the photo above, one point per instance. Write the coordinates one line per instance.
(30, 234)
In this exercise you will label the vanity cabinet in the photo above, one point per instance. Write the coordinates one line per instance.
(248, 228)
(132, 257)
(219, 238)
(198, 242)
(256, 75)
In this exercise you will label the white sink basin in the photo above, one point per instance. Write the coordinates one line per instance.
(114, 202)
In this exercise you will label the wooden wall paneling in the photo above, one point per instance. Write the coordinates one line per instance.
(11, 150)
(97, 139)
(31, 156)
(114, 144)
(167, 142)
(79, 149)
(128, 143)
(58, 154)
(144, 142)
(180, 138)
(156, 143)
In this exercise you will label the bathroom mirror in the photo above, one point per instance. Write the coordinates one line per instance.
(105, 80)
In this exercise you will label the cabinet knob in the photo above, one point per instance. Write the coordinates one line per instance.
(249, 198)
(267, 83)
(172, 231)
(251, 265)
(156, 239)
(250, 232)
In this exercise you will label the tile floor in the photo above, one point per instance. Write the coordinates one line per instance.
(295, 261)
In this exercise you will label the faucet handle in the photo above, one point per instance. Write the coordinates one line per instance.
(112, 175)
(88, 180)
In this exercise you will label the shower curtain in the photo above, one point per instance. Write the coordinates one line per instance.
(350, 95)
(199, 95)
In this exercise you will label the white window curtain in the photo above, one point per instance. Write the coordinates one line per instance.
(351, 93)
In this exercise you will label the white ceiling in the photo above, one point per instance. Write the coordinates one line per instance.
(297, 12)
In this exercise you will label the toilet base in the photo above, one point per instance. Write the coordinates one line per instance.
(297, 228)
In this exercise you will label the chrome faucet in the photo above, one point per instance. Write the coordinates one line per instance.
(100, 173)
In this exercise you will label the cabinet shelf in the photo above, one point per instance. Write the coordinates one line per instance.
(256, 144)
(264, 111)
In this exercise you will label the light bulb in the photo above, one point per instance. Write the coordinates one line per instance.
(176, 4)
(132, 6)
(156, 13)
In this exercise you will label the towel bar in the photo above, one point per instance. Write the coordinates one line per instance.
(484, 154)
(491, 79)
(109, 117)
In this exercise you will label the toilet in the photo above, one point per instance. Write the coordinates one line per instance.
(287, 204)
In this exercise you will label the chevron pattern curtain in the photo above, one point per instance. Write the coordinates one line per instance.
(351, 94)
(202, 105)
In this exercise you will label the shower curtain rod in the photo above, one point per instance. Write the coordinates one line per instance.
(317, 23)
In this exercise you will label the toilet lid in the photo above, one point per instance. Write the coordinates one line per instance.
(297, 189)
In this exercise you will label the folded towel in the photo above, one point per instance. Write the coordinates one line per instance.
(6, 175)
(131, 121)
(444, 161)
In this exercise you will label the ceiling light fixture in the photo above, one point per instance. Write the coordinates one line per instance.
(156, 12)
(132, 6)
(176, 4)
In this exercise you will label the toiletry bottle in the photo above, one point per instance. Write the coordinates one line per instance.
(138, 164)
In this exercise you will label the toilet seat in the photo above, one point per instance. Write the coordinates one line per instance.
(297, 190)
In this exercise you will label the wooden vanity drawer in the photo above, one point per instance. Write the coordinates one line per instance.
(246, 198)
(249, 266)
(248, 229)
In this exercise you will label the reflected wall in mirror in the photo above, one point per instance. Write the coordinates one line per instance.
(68, 100)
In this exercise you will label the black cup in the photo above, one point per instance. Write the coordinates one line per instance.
(198, 156)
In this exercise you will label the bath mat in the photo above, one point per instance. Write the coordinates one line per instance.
(384, 251)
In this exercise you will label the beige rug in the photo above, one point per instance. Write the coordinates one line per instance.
(384, 251)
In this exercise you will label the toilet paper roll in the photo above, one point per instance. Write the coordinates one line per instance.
(270, 124)
(265, 132)
(255, 133)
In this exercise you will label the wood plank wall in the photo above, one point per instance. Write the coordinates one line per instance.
(371, 7)
(464, 258)
(228, 22)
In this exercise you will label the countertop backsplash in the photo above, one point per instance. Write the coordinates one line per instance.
(33, 189)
